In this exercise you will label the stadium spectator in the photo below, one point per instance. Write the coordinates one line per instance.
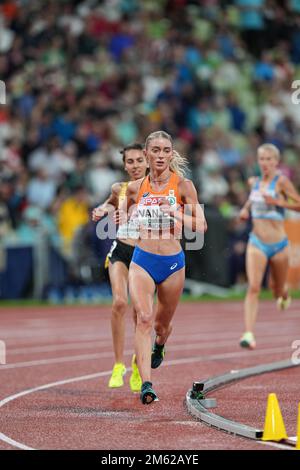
(86, 79)
(72, 214)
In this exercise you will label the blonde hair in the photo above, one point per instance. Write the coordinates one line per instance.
(271, 148)
(178, 164)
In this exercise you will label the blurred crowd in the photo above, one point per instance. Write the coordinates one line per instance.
(86, 77)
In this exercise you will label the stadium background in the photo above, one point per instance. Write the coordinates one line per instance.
(85, 78)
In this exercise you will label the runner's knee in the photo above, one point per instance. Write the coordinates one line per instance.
(254, 289)
(144, 320)
(119, 305)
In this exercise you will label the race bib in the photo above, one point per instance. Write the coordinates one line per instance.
(150, 214)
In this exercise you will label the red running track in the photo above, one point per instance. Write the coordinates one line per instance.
(68, 352)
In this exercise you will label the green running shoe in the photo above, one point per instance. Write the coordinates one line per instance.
(116, 379)
(135, 380)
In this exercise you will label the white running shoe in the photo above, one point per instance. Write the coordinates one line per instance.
(248, 340)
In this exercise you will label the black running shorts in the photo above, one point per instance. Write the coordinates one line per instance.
(120, 252)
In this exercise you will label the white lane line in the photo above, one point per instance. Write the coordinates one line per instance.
(228, 340)
(58, 347)
(20, 445)
(101, 341)
(275, 444)
(204, 338)
(216, 357)
(174, 362)
(87, 357)
(61, 333)
(14, 443)
(98, 341)
(25, 331)
(55, 360)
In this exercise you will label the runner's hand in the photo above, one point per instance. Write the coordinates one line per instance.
(98, 213)
(166, 207)
(120, 217)
(244, 214)
(271, 200)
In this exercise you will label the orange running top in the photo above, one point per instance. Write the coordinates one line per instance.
(149, 213)
(171, 190)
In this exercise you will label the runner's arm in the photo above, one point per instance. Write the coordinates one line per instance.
(290, 192)
(109, 205)
(195, 221)
(122, 214)
(245, 210)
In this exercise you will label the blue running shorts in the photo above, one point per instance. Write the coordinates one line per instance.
(159, 267)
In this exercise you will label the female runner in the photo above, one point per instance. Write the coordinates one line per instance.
(158, 260)
(118, 261)
(267, 241)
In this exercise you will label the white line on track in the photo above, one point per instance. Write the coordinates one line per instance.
(21, 334)
(14, 443)
(174, 362)
(10, 398)
(207, 338)
(59, 347)
(87, 357)
(26, 331)
(276, 444)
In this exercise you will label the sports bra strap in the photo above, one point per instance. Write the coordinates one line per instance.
(140, 191)
(274, 181)
(256, 183)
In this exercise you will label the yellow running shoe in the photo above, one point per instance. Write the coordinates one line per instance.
(283, 304)
(248, 340)
(135, 380)
(116, 379)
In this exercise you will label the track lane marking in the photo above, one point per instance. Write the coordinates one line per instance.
(86, 357)
(174, 362)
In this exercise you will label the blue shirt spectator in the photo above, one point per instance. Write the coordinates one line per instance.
(41, 190)
(200, 117)
(295, 6)
(228, 154)
(64, 128)
(264, 69)
(25, 104)
(238, 117)
(118, 44)
(251, 13)
(295, 44)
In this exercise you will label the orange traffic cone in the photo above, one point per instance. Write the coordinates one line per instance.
(274, 429)
(298, 429)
